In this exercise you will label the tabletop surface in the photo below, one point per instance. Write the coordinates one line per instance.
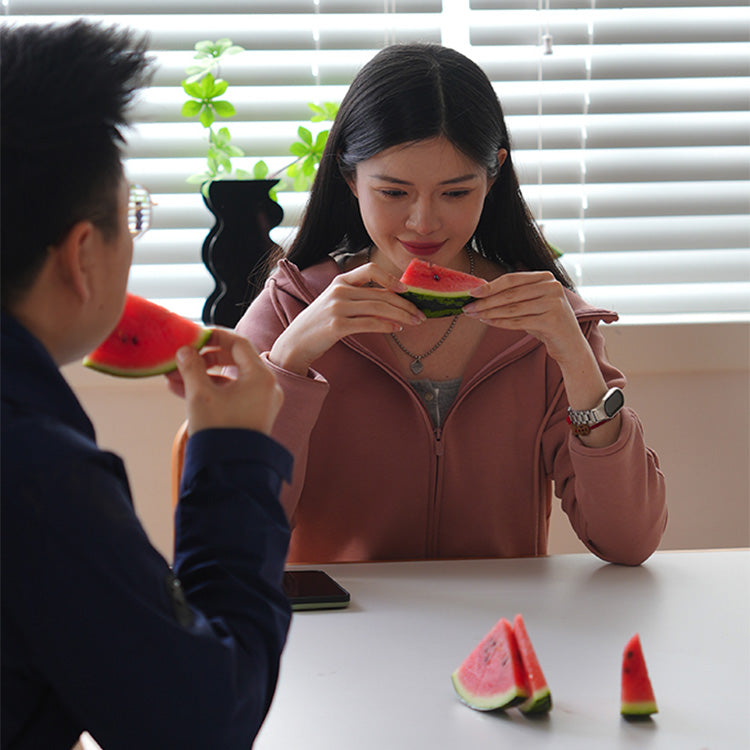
(377, 675)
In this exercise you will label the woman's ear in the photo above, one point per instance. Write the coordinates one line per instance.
(75, 256)
(502, 155)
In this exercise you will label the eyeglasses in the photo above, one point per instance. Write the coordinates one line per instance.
(140, 206)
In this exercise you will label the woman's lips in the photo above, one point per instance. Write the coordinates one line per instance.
(422, 248)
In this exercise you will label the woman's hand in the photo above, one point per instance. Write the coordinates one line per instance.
(251, 400)
(536, 302)
(360, 301)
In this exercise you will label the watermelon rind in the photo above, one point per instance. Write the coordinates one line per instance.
(540, 697)
(639, 709)
(161, 368)
(437, 305)
(494, 660)
(508, 699)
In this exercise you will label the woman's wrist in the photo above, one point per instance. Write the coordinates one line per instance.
(284, 356)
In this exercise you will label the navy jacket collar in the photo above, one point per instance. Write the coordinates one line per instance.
(32, 382)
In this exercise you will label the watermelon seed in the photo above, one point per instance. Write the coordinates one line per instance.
(436, 277)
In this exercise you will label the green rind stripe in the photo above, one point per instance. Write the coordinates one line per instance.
(507, 699)
(438, 305)
(639, 708)
(539, 703)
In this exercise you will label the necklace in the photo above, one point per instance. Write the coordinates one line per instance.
(416, 365)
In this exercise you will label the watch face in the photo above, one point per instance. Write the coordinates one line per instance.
(614, 403)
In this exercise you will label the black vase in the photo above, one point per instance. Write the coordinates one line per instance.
(237, 248)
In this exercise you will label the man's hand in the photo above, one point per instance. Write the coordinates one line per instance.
(251, 400)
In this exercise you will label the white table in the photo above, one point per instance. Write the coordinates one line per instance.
(377, 675)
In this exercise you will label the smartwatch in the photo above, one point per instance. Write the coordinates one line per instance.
(582, 421)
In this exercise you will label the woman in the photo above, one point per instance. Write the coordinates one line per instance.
(441, 437)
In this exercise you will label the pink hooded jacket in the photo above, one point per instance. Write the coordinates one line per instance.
(374, 480)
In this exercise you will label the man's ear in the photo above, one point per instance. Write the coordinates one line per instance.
(74, 257)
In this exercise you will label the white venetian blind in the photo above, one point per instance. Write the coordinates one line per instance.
(630, 122)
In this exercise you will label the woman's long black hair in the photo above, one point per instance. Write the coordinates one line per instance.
(407, 93)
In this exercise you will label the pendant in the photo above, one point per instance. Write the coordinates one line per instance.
(416, 366)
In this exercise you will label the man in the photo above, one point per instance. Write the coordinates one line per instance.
(98, 633)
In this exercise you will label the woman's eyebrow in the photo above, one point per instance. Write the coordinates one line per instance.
(451, 181)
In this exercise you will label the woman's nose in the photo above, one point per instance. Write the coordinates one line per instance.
(423, 217)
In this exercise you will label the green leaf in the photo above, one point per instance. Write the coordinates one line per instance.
(224, 109)
(190, 108)
(320, 141)
(193, 89)
(327, 111)
(317, 111)
(205, 46)
(221, 136)
(242, 174)
(260, 170)
(299, 149)
(332, 109)
(308, 167)
(205, 86)
(218, 88)
(207, 116)
(304, 135)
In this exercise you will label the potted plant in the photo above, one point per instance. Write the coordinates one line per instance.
(244, 203)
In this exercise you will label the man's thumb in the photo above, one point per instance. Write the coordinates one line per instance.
(185, 358)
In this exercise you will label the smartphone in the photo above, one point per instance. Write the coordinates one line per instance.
(314, 589)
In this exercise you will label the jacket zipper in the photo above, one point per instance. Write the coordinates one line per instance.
(434, 505)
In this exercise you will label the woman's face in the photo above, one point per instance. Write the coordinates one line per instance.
(421, 200)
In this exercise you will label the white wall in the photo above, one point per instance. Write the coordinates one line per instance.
(689, 384)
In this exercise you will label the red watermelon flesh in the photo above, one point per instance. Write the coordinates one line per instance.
(540, 698)
(491, 676)
(637, 697)
(145, 340)
(438, 291)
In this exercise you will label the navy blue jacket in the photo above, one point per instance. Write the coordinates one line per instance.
(98, 633)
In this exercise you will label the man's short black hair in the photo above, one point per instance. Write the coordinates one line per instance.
(64, 96)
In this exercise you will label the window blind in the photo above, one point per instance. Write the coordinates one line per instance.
(630, 122)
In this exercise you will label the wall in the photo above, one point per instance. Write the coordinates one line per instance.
(689, 385)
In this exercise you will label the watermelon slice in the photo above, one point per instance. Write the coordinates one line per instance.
(540, 698)
(491, 676)
(145, 340)
(438, 291)
(637, 697)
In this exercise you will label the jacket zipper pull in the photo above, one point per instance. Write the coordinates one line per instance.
(438, 441)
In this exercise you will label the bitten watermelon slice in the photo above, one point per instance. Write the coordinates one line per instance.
(637, 697)
(438, 291)
(491, 676)
(145, 340)
(540, 698)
